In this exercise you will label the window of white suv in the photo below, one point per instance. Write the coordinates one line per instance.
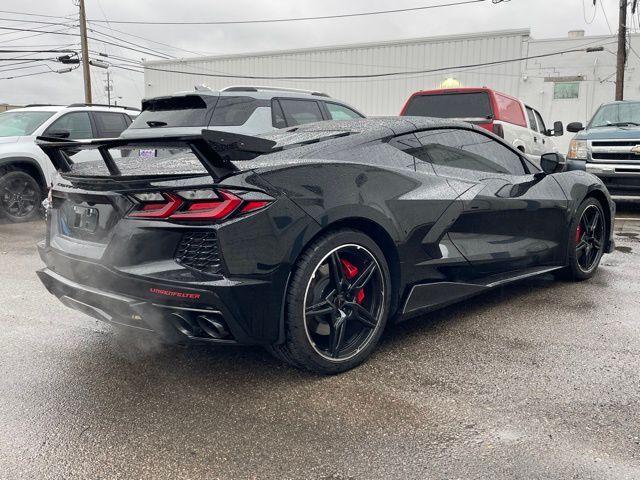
(299, 112)
(340, 112)
(73, 125)
(110, 124)
(21, 123)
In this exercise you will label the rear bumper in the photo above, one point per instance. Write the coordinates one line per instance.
(172, 311)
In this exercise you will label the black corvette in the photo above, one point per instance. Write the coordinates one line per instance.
(309, 241)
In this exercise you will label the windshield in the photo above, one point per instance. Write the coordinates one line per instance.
(16, 124)
(616, 114)
(451, 105)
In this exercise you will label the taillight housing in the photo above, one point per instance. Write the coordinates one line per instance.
(196, 205)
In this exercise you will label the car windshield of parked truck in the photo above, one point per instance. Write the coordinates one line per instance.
(16, 124)
(617, 115)
(451, 105)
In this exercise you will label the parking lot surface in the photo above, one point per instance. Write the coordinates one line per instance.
(536, 380)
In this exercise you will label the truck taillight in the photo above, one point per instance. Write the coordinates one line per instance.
(194, 205)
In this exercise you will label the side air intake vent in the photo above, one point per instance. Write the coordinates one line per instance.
(199, 250)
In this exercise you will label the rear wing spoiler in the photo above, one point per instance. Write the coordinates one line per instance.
(216, 150)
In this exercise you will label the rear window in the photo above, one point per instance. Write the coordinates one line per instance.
(450, 105)
(235, 111)
(187, 111)
(510, 110)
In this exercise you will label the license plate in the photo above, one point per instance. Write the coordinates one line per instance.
(147, 153)
(81, 218)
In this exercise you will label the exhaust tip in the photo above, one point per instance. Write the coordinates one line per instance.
(214, 326)
(184, 324)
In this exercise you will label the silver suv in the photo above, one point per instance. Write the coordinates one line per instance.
(248, 110)
(25, 170)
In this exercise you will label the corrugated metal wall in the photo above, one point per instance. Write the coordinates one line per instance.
(377, 96)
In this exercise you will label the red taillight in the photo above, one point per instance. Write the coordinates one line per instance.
(195, 206)
(210, 209)
(486, 126)
(156, 209)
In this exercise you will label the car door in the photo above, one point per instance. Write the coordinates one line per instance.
(513, 217)
(537, 146)
(548, 145)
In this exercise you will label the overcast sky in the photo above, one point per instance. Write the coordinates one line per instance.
(545, 18)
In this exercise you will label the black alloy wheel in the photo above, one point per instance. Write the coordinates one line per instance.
(587, 241)
(590, 235)
(20, 196)
(337, 303)
(344, 302)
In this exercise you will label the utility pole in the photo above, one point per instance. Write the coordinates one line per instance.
(85, 53)
(108, 88)
(622, 50)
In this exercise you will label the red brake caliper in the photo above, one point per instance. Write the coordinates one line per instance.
(578, 233)
(350, 271)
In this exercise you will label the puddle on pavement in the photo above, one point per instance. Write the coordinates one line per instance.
(630, 235)
(624, 249)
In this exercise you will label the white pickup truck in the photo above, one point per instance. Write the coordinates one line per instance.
(518, 124)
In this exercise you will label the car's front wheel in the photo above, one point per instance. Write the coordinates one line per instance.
(20, 196)
(337, 303)
(587, 237)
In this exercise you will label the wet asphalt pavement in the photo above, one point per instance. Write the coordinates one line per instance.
(536, 380)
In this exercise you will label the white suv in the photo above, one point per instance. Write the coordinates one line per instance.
(25, 170)
(248, 110)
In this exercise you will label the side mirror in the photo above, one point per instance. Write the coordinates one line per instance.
(58, 134)
(552, 163)
(558, 129)
(575, 127)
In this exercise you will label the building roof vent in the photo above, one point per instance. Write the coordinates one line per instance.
(576, 33)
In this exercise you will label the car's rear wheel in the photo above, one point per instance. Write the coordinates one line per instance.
(587, 237)
(20, 196)
(337, 303)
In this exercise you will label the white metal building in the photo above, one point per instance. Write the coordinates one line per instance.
(568, 87)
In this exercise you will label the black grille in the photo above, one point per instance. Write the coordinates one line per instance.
(199, 250)
(615, 156)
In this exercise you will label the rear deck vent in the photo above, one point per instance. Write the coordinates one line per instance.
(199, 250)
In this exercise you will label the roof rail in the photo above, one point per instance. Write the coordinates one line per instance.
(42, 105)
(250, 88)
(73, 105)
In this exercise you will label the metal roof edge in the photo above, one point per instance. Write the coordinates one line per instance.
(525, 32)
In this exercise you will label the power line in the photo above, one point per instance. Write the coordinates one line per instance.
(584, 12)
(163, 54)
(37, 73)
(295, 19)
(34, 14)
(150, 52)
(606, 19)
(373, 75)
(153, 41)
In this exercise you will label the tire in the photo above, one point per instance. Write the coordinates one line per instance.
(331, 343)
(20, 196)
(584, 241)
